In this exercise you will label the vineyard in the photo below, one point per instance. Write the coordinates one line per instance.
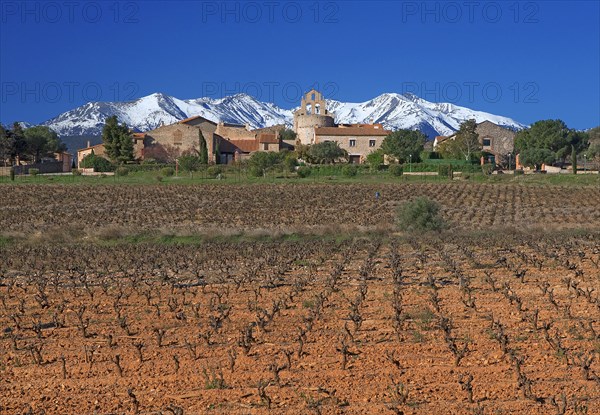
(289, 208)
(490, 322)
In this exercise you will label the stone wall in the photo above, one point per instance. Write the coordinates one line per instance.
(502, 140)
(312, 113)
(235, 133)
(171, 141)
(304, 126)
(362, 146)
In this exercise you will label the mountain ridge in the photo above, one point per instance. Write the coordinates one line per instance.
(393, 110)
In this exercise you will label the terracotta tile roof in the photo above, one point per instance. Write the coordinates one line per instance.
(245, 146)
(354, 131)
(195, 117)
(268, 138)
(138, 136)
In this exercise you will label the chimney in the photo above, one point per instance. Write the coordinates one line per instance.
(89, 144)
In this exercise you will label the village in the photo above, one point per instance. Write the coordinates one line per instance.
(313, 124)
(491, 146)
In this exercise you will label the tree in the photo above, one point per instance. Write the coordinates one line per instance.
(41, 141)
(189, 162)
(262, 161)
(326, 152)
(375, 158)
(466, 141)
(287, 134)
(574, 159)
(535, 157)
(117, 140)
(126, 148)
(404, 145)
(7, 144)
(19, 145)
(217, 153)
(203, 152)
(553, 135)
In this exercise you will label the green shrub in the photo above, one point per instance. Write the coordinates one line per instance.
(76, 172)
(122, 171)
(396, 170)
(429, 155)
(290, 162)
(256, 171)
(167, 171)
(134, 168)
(349, 170)
(420, 214)
(519, 172)
(303, 171)
(34, 172)
(375, 158)
(159, 178)
(189, 163)
(487, 169)
(445, 170)
(99, 164)
(214, 171)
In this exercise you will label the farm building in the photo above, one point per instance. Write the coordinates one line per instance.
(359, 140)
(168, 142)
(496, 140)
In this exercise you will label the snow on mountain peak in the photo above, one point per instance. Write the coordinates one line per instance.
(393, 110)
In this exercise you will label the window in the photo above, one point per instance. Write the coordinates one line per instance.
(266, 146)
(177, 137)
(372, 143)
(487, 142)
(352, 143)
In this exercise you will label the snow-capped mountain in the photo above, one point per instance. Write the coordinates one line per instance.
(407, 111)
(392, 110)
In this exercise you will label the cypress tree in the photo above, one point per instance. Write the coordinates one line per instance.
(217, 153)
(126, 147)
(117, 140)
(574, 159)
(203, 148)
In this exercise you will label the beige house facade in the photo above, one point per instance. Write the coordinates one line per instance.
(359, 140)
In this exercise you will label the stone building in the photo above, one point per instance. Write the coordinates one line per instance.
(495, 140)
(311, 114)
(168, 142)
(359, 140)
(98, 150)
(313, 124)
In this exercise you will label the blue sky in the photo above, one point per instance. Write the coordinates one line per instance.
(524, 60)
